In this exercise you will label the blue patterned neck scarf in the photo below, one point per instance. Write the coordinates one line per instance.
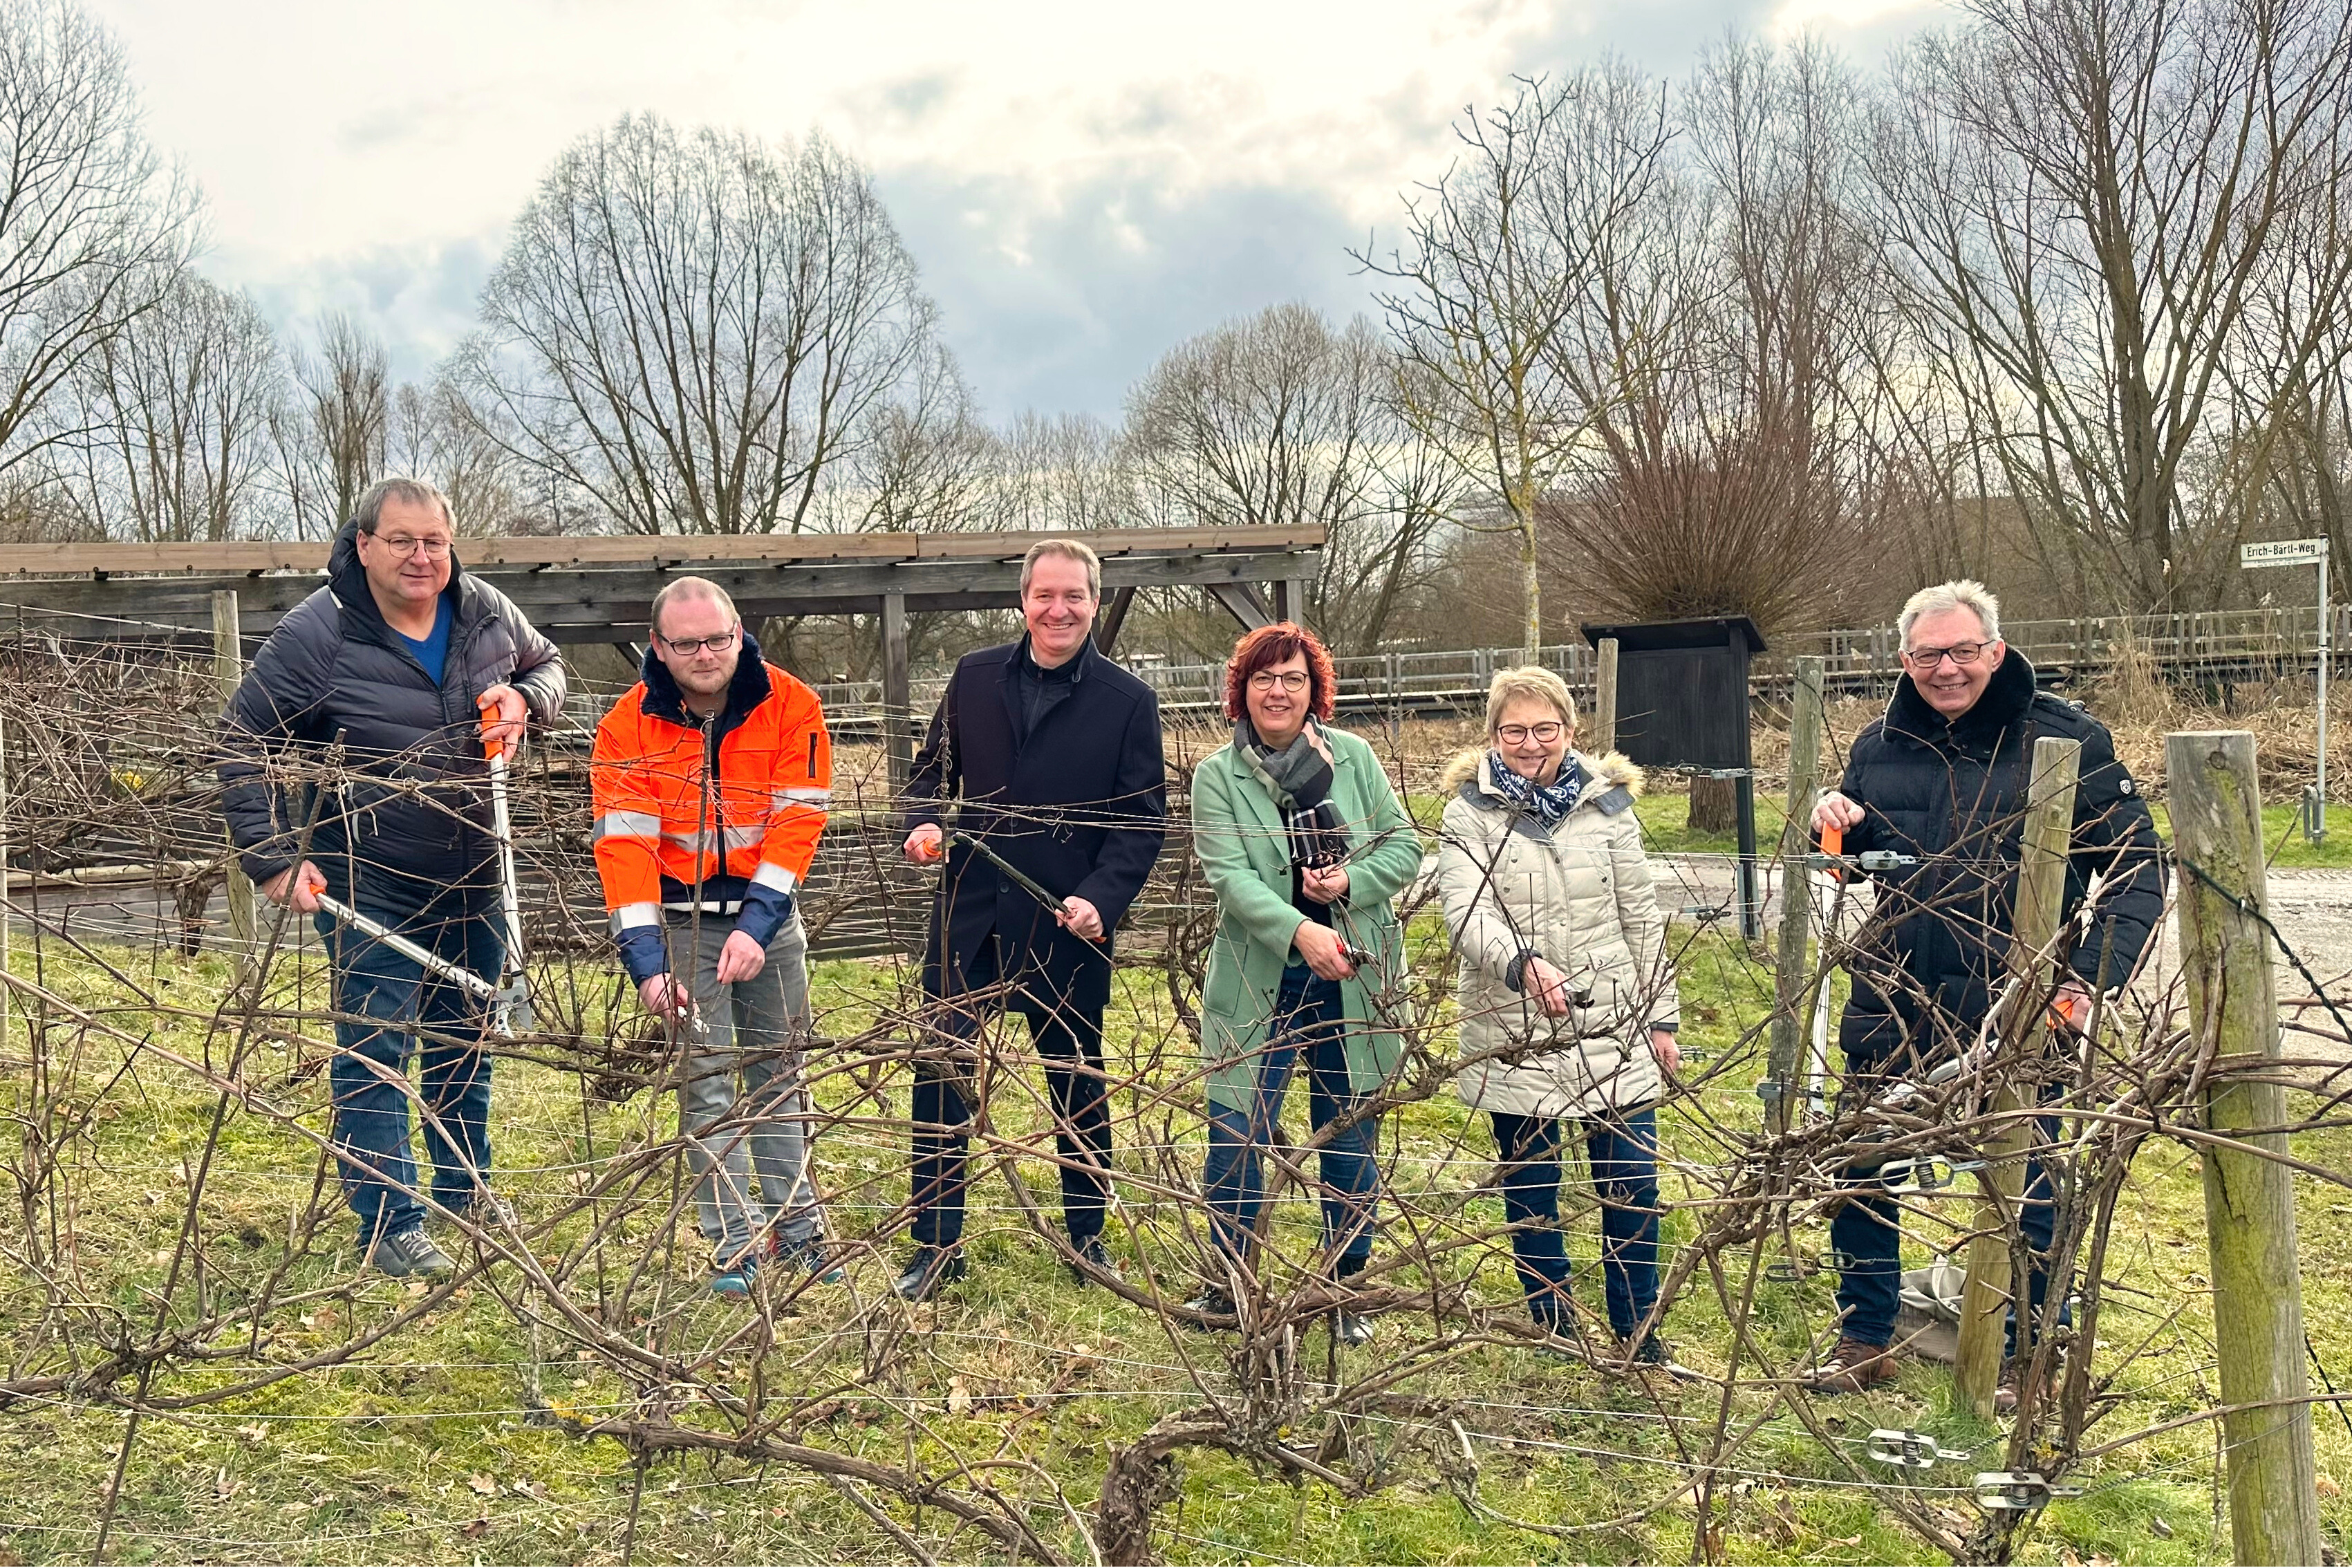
(1549, 801)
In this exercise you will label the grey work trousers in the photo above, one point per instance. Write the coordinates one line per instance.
(743, 1107)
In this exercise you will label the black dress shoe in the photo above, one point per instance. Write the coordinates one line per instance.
(931, 1270)
(1091, 1255)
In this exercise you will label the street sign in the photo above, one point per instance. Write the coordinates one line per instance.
(2306, 552)
(2282, 552)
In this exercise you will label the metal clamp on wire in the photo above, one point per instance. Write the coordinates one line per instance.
(1868, 860)
(1912, 1450)
(2018, 1491)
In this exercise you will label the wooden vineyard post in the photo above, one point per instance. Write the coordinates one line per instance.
(2225, 959)
(1793, 968)
(2024, 1032)
(228, 669)
(1603, 732)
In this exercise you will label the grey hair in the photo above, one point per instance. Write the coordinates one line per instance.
(679, 590)
(1533, 683)
(416, 492)
(1069, 550)
(1961, 594)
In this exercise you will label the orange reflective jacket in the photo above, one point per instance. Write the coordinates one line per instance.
(673, 829)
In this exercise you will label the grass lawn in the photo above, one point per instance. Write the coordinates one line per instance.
(438, 1444)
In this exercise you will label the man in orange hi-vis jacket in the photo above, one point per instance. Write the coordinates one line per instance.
(712, 778)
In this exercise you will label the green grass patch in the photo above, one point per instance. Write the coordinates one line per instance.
(429, 1449)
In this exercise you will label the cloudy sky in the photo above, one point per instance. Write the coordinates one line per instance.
(1083, 184)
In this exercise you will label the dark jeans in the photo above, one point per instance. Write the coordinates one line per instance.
(1867, 1231)
(1623, 1152)
(1070, 1040)
(1308, 1015)
(370, 1072)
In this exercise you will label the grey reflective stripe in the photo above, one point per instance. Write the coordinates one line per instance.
(629, 915)
(771, 875)
(734, 839)
(818, 798)
(708, 906)
(626, 825)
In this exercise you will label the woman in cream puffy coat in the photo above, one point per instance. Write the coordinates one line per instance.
(1567, 995)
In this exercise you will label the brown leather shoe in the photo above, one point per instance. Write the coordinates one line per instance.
(2010, 1392)
(1855, 1365)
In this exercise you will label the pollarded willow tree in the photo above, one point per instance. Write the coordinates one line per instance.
(690, 329)
(1504, 256)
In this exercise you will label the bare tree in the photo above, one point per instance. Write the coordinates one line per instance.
(93, 227)
(332, 432)
(1504, 253)
(1066, 471)
(178, 407)
(432, 432)
(689, 329)
(1283, 420)
(2087, 197)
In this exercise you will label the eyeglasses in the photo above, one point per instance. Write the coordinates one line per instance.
(1520, 735)
(1961, 653)
(1288, 679)
(686, 647)
(406, 545)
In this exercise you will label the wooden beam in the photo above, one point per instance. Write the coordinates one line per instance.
(897, 694)
(244, 557)
(1113, 616)
(1793, 976)
(1242, 602)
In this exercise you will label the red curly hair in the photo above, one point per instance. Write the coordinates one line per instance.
(1272, 644)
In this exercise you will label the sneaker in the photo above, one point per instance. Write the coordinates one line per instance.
(1092, 1259)
(410, 1254)
(1351, 1329)
(735, 1280)
(487, 1212)
(812, 1258)
(1651, 1352)
(1853, 1366)
(929, 1272)
(1211, 1302)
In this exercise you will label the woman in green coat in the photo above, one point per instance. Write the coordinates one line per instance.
(1305, 844)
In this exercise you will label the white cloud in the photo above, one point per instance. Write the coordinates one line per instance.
(342, 144)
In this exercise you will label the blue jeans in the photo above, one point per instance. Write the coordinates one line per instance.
(1308, 1015)
(1624, 1152)
(1867, 1231)
(370, 1073)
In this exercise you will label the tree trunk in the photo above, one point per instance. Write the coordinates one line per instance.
(1714, 806)
(1531, 586)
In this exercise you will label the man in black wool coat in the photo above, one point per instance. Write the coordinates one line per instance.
(1943, 778)
(1050, 755)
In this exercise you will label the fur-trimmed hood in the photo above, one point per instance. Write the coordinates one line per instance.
(1614, 770)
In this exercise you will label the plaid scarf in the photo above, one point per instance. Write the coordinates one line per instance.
(1300, 779)
(1548, 803)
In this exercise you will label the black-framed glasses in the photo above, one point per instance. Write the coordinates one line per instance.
(1961, 653)
(1520, 735)
(686, 647)
(1288, 679)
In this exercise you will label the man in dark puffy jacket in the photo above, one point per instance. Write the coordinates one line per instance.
(413, 664)
(1943, 778)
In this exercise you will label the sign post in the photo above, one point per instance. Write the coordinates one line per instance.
(2305, 552)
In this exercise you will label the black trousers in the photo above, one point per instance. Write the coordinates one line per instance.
(1069, 1036)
